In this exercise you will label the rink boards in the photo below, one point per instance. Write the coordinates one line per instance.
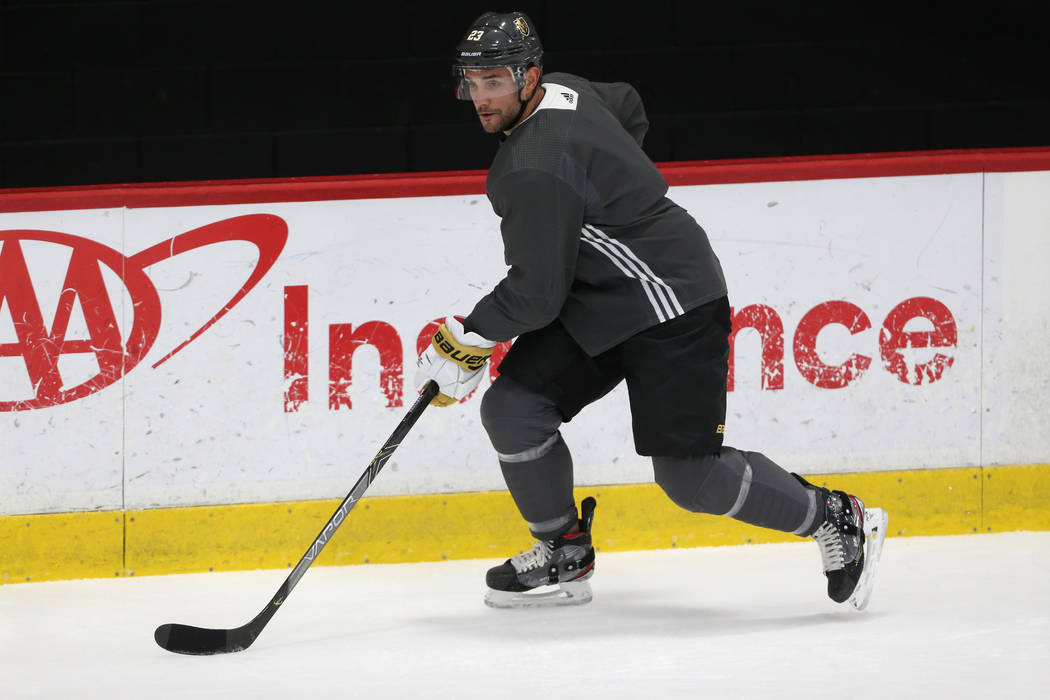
(192, 375)
(395, 529)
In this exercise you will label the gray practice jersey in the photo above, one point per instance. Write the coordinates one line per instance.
(588, 231)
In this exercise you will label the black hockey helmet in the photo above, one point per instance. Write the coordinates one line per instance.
(497, 40)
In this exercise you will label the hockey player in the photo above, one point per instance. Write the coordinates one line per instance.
(609, 280)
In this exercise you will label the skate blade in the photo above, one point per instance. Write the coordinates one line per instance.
(875, 522)
(568, 593)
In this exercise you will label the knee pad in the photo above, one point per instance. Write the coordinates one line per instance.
(713, 483)
(522, 425)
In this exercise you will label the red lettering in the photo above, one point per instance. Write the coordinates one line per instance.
(894, 338)
(84, 280)
(40, 350)
(34, 344)
(815, 371)
(115, 356)
(296, 348)
(343, 341)
(771, 332)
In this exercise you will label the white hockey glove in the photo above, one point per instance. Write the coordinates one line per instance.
(455, 360)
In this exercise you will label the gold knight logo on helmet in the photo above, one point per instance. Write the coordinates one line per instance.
(522, 26)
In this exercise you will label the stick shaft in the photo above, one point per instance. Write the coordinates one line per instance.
(185, 639)
(363, 482)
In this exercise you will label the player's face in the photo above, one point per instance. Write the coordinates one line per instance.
(495, 96)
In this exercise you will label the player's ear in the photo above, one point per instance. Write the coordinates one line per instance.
(532, 78)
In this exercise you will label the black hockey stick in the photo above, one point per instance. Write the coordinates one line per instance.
(186, 639)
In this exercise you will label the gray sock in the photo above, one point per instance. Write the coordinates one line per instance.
(747, 486)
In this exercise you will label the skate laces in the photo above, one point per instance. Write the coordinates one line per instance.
(831, 549)
(538, 556)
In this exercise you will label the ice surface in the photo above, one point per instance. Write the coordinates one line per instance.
(951, 617)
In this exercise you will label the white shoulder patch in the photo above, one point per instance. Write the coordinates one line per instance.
(558, 97)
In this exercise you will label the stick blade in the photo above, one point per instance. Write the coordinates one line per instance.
(201, 641)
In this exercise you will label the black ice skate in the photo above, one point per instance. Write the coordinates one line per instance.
(850, 541)
(567, 561)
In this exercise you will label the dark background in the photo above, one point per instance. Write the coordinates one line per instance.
(139, 91)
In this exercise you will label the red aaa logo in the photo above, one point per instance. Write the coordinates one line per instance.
(41, 349)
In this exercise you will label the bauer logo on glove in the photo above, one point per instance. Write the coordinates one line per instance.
(457, 353)
(454, 359)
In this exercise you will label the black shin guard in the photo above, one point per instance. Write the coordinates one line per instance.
(746, 486)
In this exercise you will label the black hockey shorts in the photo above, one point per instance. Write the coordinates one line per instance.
(675, 371)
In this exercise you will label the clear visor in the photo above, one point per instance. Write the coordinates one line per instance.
(479, 84)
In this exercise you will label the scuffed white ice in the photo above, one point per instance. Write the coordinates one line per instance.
(960, 617)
